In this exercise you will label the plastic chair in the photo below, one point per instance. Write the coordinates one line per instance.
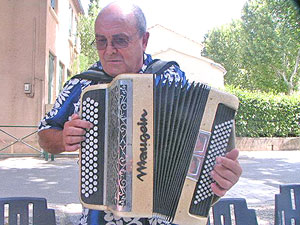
(227, 210)
(21, 210)
(287, 205)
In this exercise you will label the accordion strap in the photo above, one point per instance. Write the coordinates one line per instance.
(156, 67)
(94, 75)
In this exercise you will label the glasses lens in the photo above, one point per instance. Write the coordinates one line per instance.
(120, 42)
(101, 44)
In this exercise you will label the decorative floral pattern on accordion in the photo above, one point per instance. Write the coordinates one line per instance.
(117, 126)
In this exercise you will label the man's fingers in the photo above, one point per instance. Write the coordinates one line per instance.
(72, 148)
(74, 131)
(71, 140)
(79, 123)
(75, 116)
(224, 181)
(226, 173)
(218, 190)
(233, 154)
(225, 164)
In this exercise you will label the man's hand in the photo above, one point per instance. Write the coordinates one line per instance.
(226, 173)
(73, 133)
(56, 141)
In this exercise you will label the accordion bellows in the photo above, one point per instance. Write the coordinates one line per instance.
(153, 146)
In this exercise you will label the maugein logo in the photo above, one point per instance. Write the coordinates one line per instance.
(144, 137)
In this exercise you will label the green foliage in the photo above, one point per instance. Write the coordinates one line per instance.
(88, 55)
(266, 114)
(261, 50)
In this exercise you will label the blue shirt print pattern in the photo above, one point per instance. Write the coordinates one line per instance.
(68, 103)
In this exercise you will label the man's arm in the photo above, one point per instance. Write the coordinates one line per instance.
(51, 141)
(57, 141)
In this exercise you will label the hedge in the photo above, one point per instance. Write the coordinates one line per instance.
(267, 115)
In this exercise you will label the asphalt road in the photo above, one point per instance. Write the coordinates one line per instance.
(57, 181)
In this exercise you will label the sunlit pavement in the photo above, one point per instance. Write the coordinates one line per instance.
(57, 181)
(263, 172)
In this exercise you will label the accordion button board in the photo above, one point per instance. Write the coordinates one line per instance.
(152, 147)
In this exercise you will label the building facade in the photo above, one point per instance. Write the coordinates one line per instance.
(38, 47)
(168, 45)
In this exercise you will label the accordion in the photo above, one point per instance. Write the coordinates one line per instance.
(152, 147)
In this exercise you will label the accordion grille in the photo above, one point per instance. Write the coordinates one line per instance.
(178, 114)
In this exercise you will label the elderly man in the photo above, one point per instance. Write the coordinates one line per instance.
(121, 40)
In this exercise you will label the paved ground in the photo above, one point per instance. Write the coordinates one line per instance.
(263, 172)
(57, 181)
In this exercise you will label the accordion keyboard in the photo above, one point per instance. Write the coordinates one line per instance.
(221, 132)
(92, 149)
(89, 156)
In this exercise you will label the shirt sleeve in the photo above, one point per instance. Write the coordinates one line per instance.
(66, 104)
(173, 73)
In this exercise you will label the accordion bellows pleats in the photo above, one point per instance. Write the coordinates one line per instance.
(153, 146)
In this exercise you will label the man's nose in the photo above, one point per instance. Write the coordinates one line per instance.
(110, 48)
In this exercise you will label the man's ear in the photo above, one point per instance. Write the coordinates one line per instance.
(145, 40)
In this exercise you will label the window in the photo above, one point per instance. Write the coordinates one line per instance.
(51, 72)
(75, 32)
(70, 20)
(69, 74)
(53, 4)
(60, 77)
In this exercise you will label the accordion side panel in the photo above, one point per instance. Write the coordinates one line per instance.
(214, 99)
(142, 145)
(183, 215)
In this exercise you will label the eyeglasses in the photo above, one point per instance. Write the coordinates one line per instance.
(118, 41)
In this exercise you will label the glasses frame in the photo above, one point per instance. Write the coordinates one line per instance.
(130, 39)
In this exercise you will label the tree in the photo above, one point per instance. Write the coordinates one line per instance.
(88, 55)
(266, 47)
(222, 44)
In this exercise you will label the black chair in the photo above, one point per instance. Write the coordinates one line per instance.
(287, 205)
(19, 211)
(227, 210)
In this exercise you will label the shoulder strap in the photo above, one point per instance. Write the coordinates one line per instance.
(158, 66)
(94, 75)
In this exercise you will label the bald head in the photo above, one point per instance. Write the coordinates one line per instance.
(126, 11)
(121, 38)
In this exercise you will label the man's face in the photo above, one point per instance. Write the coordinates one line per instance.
(121, 47)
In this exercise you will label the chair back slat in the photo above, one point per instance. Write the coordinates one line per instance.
(287, 205)
(19, 211)
(227, 210)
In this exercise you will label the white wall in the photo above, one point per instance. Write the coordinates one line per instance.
(162, 39)
(170, 46)
(196, 69)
